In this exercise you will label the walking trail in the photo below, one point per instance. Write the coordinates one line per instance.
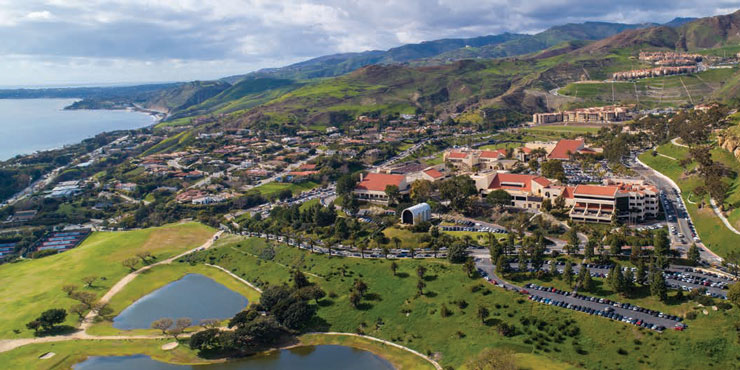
(9, 344)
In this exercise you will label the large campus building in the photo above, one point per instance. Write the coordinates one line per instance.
(620, 199)
(607, 114)
(372, 186)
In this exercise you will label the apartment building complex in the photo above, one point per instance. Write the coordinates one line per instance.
(654, 72)
(669, 58)
(606, 114)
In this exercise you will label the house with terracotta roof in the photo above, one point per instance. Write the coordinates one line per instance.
(372, 186)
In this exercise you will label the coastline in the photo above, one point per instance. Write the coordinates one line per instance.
(155, 118)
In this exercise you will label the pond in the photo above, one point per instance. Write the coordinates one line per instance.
(194, 296)
(328, 357)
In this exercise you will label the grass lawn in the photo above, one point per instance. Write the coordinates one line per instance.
(158, 277)
(273, 188)
(564, 129)
(710, 228)
(71, 352)
(392, 310)
(33, 286)
(408, 238)
(308, 204)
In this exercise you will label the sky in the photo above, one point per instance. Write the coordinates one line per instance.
(78, 42)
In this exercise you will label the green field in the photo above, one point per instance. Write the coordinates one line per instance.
(393, 311)
(33, 286)
(575, 130)
(658, 91)
(710, 228)
(71, 352)
(273, 188)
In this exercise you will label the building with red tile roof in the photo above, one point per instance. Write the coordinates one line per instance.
(372, 186)
(432, 174)
(565, 148)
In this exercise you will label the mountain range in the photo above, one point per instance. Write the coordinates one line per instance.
(506, 73)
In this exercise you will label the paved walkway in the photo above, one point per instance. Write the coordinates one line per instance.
(675, 142)
(407, 349)
(722, 217)
(236, 277)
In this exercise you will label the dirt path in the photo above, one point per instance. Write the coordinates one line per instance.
(89, 319)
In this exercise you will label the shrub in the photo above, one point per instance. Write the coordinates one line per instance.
(691, 315)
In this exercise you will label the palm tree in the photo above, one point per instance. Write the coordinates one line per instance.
(396, 242)
(412, 250)
(363, 247)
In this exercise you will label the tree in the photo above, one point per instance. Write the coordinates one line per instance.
(420, 285)
(89, 280)
(616, 279)
(80, 310)
(420, 271)
(553, 269)
(584, 279)
(498, 198)
(588, 250)
(573, 242)
(493, 359)
(163, 324)
(392, 192)
(396, 242)
(483, 313)
(554, 169)
(314, 292)
(34, 325)
(733, 294)
(69, 289)
(206, 340)
(296, 315)
(299, 279)
(180, 325)
(354, 299)
(469, 267)
(242, 318)
(568, 274)
(456, 253)
(51, 318)
(360, 287)
(457, 190)
(693, 254)
(421, 190)
(86, 298)
(144, 256)
(394, 267)
(130, 263)
(657, 285)
(641, 274)
(272, 295)
(661, 244)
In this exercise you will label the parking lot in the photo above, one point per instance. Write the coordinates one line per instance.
(677, 277)
(629, 314)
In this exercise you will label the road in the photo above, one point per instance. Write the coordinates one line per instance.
(676, 214)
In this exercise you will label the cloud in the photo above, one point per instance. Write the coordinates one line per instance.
(227, 34)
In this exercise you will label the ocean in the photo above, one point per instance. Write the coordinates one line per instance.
(30, 125)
